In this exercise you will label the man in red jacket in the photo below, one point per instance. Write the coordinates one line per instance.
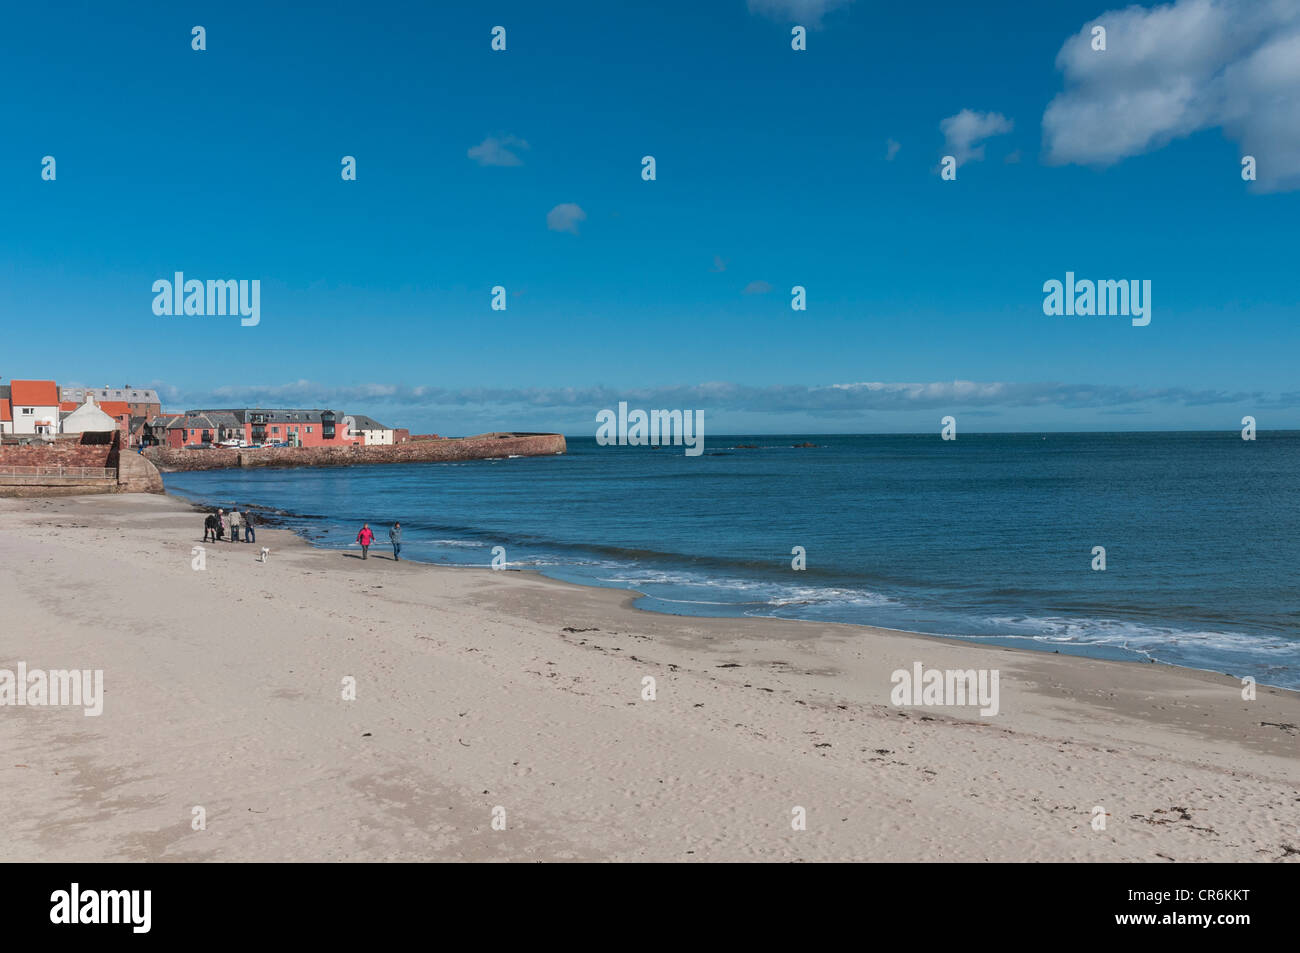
(365, 538)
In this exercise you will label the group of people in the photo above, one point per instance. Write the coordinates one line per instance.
(367, 537)
(219, 524)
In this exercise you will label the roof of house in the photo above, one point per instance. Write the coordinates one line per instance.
(86, 417)
(114, 408)
(196, 421)
(362, 422)
(175, 421)
(34, 393)
(291, 415)
(131, 395)
(5, 412)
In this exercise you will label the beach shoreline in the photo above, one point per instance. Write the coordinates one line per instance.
(283, 520)
(478, 690)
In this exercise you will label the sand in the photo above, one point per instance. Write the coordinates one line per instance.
(481, 692)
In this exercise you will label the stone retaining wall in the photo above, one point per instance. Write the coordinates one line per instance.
(130, 473)
(61, 453)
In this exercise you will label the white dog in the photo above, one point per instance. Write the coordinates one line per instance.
(265, 553)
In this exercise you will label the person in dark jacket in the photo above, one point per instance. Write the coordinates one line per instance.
(395, 537)
(249, 535)
(210, 526)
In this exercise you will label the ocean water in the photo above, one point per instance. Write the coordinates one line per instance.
(988, 537)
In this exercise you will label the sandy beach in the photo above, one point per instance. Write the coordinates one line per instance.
(478, 690)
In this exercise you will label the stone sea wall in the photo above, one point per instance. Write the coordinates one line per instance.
(58, 463)
(61, 453)
(479, 447)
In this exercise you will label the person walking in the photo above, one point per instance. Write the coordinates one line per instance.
(249, 535)
(235, 521)
(365, 538)
(395, 537)
(221, 524)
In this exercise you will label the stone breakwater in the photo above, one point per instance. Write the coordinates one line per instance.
(480, 447)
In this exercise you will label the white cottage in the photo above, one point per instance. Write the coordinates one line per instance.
(88, 418)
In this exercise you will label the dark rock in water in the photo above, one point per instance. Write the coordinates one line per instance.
(745, 446)
(803, 445)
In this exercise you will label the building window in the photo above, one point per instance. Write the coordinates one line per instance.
(29, 411)
(309, 430)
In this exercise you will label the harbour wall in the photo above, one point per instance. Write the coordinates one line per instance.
(480, 447)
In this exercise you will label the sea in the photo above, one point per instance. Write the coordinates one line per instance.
(989, 537)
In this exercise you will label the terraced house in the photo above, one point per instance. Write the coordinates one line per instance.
(192, 429)
(297, 428)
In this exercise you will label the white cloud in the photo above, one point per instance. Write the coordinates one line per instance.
(962, 131)
(891, 149)
(808, 13)
(496, 150)
(565, 218)
(757, 288)
(819, 399)
(1170, 71)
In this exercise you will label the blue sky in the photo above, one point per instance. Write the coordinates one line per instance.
(773, 170)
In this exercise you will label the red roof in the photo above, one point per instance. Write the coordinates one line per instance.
(5, 413)
(115, 408)
(34, 393)
(68, 405)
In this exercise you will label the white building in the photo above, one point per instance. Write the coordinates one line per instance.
(375, 433)
(88, 418)
(33, 407)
